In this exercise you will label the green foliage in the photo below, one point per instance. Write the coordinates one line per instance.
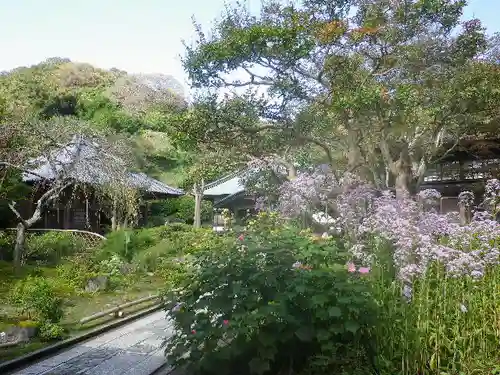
(51, 247)
(37, 298)
(127, 243)
(75, 272)
(449, 327)
(273, 302)
(51, 331)
(343, 98)
(6, 245)
(114, 266)
(164, 256)
(101, 111)
(185, 209)
(181, 209)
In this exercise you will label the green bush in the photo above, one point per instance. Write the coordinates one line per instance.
(121, 243)
(185, 209)
(179, 208)
(37, 298)
(178, 240)
(52, 246)
(274, 302)
(51, 331)
(7, 241)
(127, 244)
(75, 272)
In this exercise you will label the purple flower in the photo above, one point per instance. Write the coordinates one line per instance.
(419, 236)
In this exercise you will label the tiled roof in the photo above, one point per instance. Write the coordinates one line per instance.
(80, 159)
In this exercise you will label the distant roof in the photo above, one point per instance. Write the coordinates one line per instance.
(149, 184)
(227, 185)
(80, 159)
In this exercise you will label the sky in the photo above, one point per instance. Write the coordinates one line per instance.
(139, 36)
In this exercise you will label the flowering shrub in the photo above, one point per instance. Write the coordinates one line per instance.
(441, 313)
(419, 234)
(276, 301)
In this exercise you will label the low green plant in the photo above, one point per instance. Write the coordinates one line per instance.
(29, 324)
(52, 246)
(112, 266)
(179, 209)
(51, 331)
(7, 240)
(178, 242)
(37, 298)
(75, 272)
(127, 243)
(273, 302)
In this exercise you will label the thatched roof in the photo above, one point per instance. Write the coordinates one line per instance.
(83, 161)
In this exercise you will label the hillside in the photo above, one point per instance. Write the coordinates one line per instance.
(137, 106)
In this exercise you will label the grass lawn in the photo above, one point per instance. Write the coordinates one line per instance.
(77, 306)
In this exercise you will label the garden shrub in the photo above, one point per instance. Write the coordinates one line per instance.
(7, 240)
(127, 243)
(37, 298)
(185, 209)
(274, 302)
(51, 331)
(76, 271)
(177, 242)
(52, 246)
(179, 209)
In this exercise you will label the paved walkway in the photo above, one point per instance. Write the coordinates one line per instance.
(134, 349)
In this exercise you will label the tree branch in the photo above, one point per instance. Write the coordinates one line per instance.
(18, 215)
(323, 145)
(21, 169)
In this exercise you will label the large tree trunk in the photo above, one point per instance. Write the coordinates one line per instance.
(403, 172)
(19, 247)
(400, 169)
(403, 180)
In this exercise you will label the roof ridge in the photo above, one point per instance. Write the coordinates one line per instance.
(225, 179)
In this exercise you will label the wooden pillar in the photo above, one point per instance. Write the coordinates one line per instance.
(198, 196)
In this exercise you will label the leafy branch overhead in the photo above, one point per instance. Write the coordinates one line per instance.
(379, 85)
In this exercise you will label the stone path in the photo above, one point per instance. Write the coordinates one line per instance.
(134, 349)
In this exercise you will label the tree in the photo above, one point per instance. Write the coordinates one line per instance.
(64, 154)
(138, 93)
(385, 78)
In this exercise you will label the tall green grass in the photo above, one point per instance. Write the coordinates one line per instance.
(450, 326)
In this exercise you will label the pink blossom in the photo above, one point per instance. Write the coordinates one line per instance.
(364, 269)
(351, 267)
(225, 322)
(241, 237)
